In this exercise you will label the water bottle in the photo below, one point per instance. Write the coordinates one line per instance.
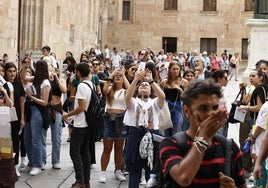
(246, 147)
(152, 182)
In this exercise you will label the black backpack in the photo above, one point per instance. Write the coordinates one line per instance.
(94, 116)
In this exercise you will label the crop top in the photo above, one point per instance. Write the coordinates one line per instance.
(119, 101)
(55, 88)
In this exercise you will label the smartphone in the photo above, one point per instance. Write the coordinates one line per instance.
(142, 66)
(116, 67)
(64, 67)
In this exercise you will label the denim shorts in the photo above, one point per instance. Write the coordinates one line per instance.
(109, 129)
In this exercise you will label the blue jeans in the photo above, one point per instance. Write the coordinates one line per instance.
(177, 117)
(33, 138)
(134, 163)
(56, 131)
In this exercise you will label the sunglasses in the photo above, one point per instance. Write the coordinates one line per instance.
(226, 78)
(133, 69)
(95, 64)
(144, 84)
(143, 96)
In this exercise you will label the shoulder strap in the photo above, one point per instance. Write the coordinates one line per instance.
(88, 85)
(228, 157)
(227, 144)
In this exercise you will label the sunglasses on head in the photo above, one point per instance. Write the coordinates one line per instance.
(143, 96)
(144, 84)
(118, 75)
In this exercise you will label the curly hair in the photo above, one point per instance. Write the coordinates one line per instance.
(197, 87)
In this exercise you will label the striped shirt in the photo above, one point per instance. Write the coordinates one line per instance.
(213, 162)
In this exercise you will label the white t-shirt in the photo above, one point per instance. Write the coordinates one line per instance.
(10, 87)
(53, 62)
(131, 118)
(107, 53)
(261, 122)
(45, 83)
(83, 92)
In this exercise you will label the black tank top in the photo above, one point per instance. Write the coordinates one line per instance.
(172, 94)
(55, 89)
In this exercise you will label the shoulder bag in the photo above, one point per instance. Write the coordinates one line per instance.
(237, 102)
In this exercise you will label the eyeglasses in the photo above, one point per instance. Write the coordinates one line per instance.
(144, 84)
(143, 96)
(133, 69)
(95, 64)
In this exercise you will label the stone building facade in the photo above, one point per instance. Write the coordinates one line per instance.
(27, 25)
(174, 25)
(178, 25)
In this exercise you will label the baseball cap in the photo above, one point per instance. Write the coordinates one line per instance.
(205, 53)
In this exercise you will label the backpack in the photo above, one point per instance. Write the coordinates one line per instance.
(94, 116)
(181, 138)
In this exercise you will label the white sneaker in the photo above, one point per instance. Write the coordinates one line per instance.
(56, 166)
(251, 178)
(143, 182)
(119, 176)
(23, 162)
(43, 167)
(17, 170)
(26, 169)
(35, 171)
(102, 178)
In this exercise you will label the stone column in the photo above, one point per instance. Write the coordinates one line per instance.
(258, 48)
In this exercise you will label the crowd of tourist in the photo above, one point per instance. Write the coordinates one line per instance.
(133, 88)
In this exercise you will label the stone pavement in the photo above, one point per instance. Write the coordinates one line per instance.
(50, 178)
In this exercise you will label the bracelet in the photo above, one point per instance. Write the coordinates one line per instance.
(201, 140)
(151, 82)
(251, 135)
(199, 151)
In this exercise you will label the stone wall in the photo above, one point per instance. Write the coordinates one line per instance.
(63, 25)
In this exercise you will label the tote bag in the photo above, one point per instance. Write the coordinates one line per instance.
(164, 118)
(237, 102)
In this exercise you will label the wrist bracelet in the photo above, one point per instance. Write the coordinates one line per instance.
(251, 135)
(201, 140)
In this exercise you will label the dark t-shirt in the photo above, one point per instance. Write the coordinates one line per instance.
(260, 91)
(18, 92)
